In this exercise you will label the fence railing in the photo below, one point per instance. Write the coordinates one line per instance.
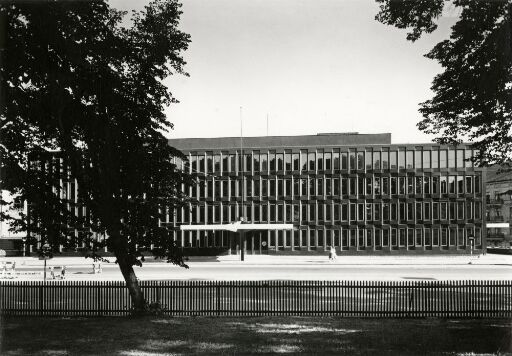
(256, 298)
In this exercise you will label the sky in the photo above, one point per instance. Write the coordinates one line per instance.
(310, 66)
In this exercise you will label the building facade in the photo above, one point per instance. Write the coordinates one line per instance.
(499, 208)
(358, 193)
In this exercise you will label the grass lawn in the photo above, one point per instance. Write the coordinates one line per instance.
(252, 336)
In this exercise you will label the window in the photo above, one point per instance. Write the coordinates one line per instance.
(426, 159)
(428, 237)
(419, 238)
(272, 161)
(360, 239)
(368, 161)
(312, 211)
(336, 187)
(394, 190)
(427, 216)
(376, 160)
(320, 186)
(360, 212)
(385, 237)
(264, 162)
(460, 184)
(468, 161)
(460, 158)
(444, 210)
(410, 237)
(209, 162)
(296, 162)
(320, 160)
(296, 188)
(369, 214)
(344, 212)
(280, 188)
(419, 211)
(304, 186)
(477, 184)
(469, 184)
(435, 211)
(444, 184)
(385, 185)
(417, 159)
(311, 161)
(311, 186)
(419, 185)
(385, 160)
(401, 159)
(344, 160)
(328, 161)
(336, 159)
(451, 184)
(272, 187)
(443, 160)
(312, 238)
(328, 188)
(280, 161)
(264, 187)
(426, 185)
(451, 159)
(353, 212)
(393, 160)
(304, 160)
(410, 185)
(360, 160)
(352, 158)
(409, 160)
(460, 210)
(376, 211)
(288, 161)
(435, 159)
(376, 186)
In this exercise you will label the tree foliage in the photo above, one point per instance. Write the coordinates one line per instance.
(473, 95)
(76, 81)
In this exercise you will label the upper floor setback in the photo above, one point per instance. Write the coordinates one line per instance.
(323, 153)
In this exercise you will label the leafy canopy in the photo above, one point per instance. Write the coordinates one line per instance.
(76, 82)
(473, 95)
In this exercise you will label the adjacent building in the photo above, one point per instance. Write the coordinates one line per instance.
(357, 192)
(499, 208)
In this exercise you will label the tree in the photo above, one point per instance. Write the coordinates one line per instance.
(75, 81)
(473, 95)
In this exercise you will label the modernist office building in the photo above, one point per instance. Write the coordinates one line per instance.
(357, 192)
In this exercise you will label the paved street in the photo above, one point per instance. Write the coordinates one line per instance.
(292, 268)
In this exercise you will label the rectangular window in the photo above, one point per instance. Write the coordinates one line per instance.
(401, 185)
(460, 210)
(401, 159)
(272, 212)
(410, 212)
(376, 211)
(419, 238)
(460, 184)
(328, 188)
(368, 161)
(337, 212)
(426, 159)
(280, 161)
(376, 186)
(460, 158)
(369, 215)
(311, 161)
(451, 184)
(444, 210)
(296, 162)
(385, 185)
(468, 161)
(417, 159)
(311, 187)
(444, 237)
(394, 190)
(280, 188)
(336, 187)
(410, 237)
(419, 211)
(320, 212)
(304, 186)
(451, 159)
(272, 188)
(288, 161)
(419, 185)
(264, 162)
(353, 215)
(393, 210)
(435, 237)
(393, 160)
(344, 160)
(328, 161)
(385, 160)
(312, 238)
(304, 160)
(336, 160)
(469, 210)
(410, 185)
(296, 188)
(409, 160)
(320, 160)
(360, 239)
(435, 159)
(426, 185)
(369, 239)
(312, 211)
(360, 160)
(469, 184)
(272, 161)
(344, 212)
(426, 211)
(478, 183)
(394, 239)
(443, 159)
(328, 212)
(444, 184)
(435, 211)
(352, 157)
(385, 237)
(320, 186)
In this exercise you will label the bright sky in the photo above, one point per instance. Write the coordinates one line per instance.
(312, 65)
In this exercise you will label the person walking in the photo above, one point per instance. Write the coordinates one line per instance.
(332, 253)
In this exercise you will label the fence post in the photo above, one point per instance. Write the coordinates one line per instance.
(217, 299)
(41, 296)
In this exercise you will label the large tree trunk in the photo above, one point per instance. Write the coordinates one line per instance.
(138, 301)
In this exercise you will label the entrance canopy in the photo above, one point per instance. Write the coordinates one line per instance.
(234, 227)
(497, 225)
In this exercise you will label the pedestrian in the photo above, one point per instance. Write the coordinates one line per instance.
(330, 254)
(333, 253)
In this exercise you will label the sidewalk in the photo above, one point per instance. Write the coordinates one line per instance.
(488, 259)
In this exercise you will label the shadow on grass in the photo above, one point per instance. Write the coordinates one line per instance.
(252, 336)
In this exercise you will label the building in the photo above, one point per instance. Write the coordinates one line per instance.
(499, 208)
(357, 192)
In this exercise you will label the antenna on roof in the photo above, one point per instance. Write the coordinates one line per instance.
(267, 124)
